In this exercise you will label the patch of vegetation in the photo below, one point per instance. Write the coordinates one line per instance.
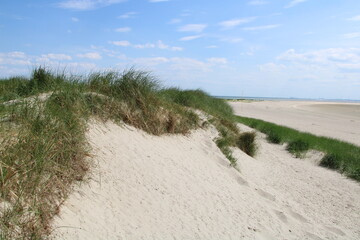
(298, 147)
(43, 147)
(246, 142)
(342, 156)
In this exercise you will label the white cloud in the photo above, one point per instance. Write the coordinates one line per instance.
(189, 38)
(159, 44)
(121, 43)
(151, 61)
(211, 46)
(90, 55)
(232, 39)
(216, 61)
(155, 1)
(294, 3)
(54, 56)
(14, 58)
(128, 15)
(352, 35)
(87, 4)
(235, 22)
(272, 67)
(175, 21)
(257, 2)
(192, 28)
(261, 27)
(334, 57)
(123, 29)
(355, 18)
(74, 19)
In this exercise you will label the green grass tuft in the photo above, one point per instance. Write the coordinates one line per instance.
(298, 147)
(246, 142)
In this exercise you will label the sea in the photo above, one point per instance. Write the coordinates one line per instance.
(287, 99)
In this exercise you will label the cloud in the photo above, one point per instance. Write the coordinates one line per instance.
(74, 19)
(211, 46)
(123, 29)
(261, 27)
(121, 43)
(155, 1)
(192, 28)
(334, 57)
(294, 3)
(14, 58)
(159, 44)
(232, 39)
(175, 21)
(151, 61)
(257, 2)
(189, 38)
(128, 15)
(90, 55)
(352, 35)
(235, 22)
(272, 67)
(54, 56)
(355, 18)
(221, 61)
(87, 4)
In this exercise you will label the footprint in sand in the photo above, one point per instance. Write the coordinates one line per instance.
(297, 216)
(335, 230)
(265, 194)
(242, 181)
(281, 216)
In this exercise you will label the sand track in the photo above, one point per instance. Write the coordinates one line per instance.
(181, 187)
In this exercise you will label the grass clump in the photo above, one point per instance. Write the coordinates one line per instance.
(246, 142)
(43, 147)
(298, 147)
(341, 156)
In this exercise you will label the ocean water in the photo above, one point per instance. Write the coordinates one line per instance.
(288, 99)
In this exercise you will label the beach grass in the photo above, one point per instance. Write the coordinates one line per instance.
(43, 121)
(341, 156)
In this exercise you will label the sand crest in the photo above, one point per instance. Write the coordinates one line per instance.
(181, 187)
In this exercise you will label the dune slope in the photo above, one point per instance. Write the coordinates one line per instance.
(181, 187)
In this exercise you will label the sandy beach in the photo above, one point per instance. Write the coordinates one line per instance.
(330, 119)
(182, 187)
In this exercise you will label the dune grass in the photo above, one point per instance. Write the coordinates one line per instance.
(43, 147)
(341, 156)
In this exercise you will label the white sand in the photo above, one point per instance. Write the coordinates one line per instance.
(181, 187)
(335, 120)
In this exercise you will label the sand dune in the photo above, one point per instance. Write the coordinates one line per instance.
(335, 120)
(181, 187)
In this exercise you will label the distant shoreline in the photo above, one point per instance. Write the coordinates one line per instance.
(286, 99)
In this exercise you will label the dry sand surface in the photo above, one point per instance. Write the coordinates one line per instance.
(181, 187)
(335, 120)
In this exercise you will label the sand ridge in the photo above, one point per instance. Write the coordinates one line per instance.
(181, 187)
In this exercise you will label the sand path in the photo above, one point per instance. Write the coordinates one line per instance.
(181, 187)
(335, 120)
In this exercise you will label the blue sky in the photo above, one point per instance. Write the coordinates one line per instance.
(269, 48)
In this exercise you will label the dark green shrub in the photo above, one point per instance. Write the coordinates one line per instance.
(273, 137)
(246, 142)
(297, 147)
(331, 161)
